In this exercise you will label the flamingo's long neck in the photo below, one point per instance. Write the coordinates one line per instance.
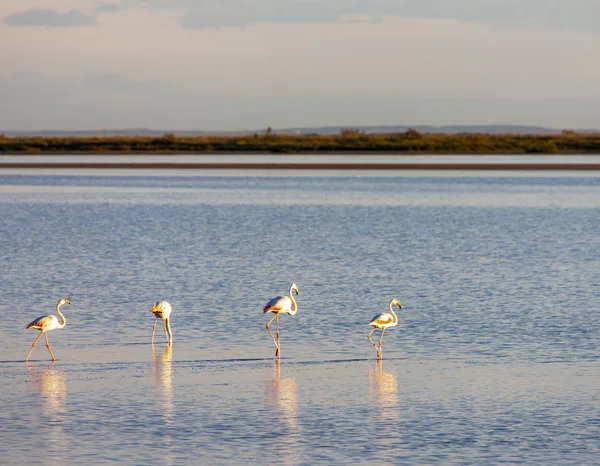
(294, 305)
(64, 320)
(393, 313)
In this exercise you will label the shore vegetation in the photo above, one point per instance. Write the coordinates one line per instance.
(348, 140)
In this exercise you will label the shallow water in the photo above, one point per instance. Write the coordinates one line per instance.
(495, 358)
(304, 158)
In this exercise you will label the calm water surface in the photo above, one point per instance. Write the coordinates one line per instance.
(495, 358)
(304, 158)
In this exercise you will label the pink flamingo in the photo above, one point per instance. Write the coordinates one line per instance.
(281, 305)
(45, 324)
(384, 321)
(162, 309)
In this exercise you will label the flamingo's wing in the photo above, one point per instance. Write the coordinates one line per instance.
(276, 304)
(166, 309)
(41, 322)
(381, 319)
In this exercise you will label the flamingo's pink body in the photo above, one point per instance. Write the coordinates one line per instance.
(383, 321)
(281, 305)
(46, 323)
(162, 310)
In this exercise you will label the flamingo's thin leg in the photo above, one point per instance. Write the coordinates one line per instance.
(154, 330)
(48, 346)
(278, 352)
(372, 342)
(168, 328)
(33, 346)
(380, 343)
(270, 333)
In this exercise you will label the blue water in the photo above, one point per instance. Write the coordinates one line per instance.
(495, 358)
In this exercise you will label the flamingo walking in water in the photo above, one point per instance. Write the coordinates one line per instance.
(46, 323)
(281, 305)
(383, 321)
(162, 309)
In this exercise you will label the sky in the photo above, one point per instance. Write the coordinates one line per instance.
(248, 64)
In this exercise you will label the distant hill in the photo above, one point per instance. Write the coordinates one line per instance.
(482, 129)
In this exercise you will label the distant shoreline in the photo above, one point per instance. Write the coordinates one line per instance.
(347, 142)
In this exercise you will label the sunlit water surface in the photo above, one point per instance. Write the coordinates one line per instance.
(495, 358)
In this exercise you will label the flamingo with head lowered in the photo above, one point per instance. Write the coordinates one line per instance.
(281, 305)
(383, 321)
(162, 309)
(46, 323)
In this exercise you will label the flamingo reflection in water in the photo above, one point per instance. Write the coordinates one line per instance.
(383, 321)
(46, 323)
(383, 387)
(162, 368)
(281, 305)
(50, 386)
(283, 393)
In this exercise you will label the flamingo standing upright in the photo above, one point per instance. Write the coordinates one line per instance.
(383, 321)
(45, 324)
(162, 309)
(281, 305)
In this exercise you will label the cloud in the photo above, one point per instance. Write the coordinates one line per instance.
(222, 17)
(50, 18)
(577, 14)
(106, 7)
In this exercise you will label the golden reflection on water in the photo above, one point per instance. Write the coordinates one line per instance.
(162, 369)
(51, 385)
(383, 386)
(283, 394)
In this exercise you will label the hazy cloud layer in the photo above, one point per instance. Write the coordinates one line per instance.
(293, 63)
(237, 13)
(106, 7)
(50, 18)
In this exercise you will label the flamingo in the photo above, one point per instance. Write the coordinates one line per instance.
(45, 324)
(281, 305)
(162, 309)
(384, 321)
